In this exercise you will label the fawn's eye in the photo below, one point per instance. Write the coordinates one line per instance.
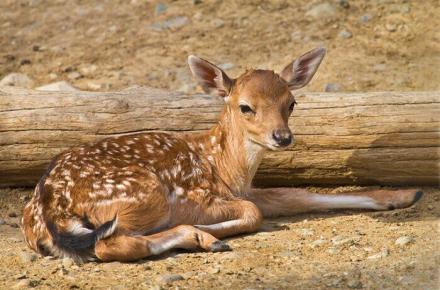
(245, 109)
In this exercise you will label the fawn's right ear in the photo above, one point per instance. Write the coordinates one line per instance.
(210, 77)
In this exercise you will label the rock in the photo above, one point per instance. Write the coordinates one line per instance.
(391, 27)
(430, 207)
(344, 4)
(58, 86)
(67, 262)
(26, 257)
(317, 243)
(226, 66)
(160, 8)
(94, 86)
(340, 240)
(332, 87)
(53, 76)
(88, 70)
(218, 23)
(170, 278)
(382, 254)
(346, 34)
(322, 11)
(354, 283)
(305, 232)
(172, 23)
(365, 18)
(26, 283)
(74, 75)
(403, 241)
(2, 222)
(17, 80)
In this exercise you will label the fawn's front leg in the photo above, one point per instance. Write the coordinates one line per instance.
(289, 201)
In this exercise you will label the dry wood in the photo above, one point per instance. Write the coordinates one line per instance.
(341, 138)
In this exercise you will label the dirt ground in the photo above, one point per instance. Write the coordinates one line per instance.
(110, 45)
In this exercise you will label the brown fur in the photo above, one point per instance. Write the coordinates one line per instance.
(128, 197)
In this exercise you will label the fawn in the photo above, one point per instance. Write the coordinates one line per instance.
(129, 197)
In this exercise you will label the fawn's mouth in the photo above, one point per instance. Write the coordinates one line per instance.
(269, 146)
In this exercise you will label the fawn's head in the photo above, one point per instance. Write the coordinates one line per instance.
(259, 101)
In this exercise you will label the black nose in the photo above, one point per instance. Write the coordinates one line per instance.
(282, 137)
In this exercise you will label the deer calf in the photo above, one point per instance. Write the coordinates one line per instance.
(129, 197)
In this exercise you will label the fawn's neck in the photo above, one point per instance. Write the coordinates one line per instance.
(235, 157)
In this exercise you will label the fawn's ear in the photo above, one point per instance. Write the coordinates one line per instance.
(210, 77)
(298, 73)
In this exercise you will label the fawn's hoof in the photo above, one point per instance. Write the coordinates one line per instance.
(219, 246)
(405, 198)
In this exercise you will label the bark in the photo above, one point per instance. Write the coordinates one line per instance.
(389, 138)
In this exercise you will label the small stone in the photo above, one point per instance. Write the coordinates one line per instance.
(317, 243)
(215, 270)
(332, 87)
(17, 80)
(26, 257)
(67, 262)
(346, 34)
(321, 11)
(53, 76)
(218, 23)
(172, 23)
(21, 276)
(74, 75)
(160, 8)
(2, 222)
(88, 70)
(305, 232)
(25, 283)
(170, 278)
(94, 86)
(430, 207)
(365, 18)
(382, 254)
(58, 86)
(354, 283)
(403, 241)
(391, 27)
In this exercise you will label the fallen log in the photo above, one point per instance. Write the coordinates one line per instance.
(388, 138)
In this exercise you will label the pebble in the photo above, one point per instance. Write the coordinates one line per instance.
(382, 254)
(67, 262)
(25, 283)
(430, 207)
(305, 232)
(2, 222)
(17, 80)
(26, 257)
(321, 10)
(317, 243)
(403, 240)
(346, 34)
(332, 87)
(88, 70)
(170, 278)
(172, 23)
(218, 23)
(160, 8)
(74, 75)
(365, 18)
(94, 86)
(391, 27)
(58, 86)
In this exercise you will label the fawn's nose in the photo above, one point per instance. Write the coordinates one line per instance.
(282, 137)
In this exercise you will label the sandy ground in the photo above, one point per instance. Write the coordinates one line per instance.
(109, 45)
(313, 251)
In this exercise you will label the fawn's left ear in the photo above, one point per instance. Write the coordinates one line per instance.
(210, 77)
(298, 73)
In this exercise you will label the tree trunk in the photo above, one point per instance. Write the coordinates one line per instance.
(388, 138)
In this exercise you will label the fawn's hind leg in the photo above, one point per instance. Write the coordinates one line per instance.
(126, 248)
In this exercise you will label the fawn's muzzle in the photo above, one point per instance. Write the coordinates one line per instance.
(282, 137)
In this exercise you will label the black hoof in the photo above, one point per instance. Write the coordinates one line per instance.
(417, 197)
(219, 246)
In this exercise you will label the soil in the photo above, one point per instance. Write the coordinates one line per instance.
(110, 45)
